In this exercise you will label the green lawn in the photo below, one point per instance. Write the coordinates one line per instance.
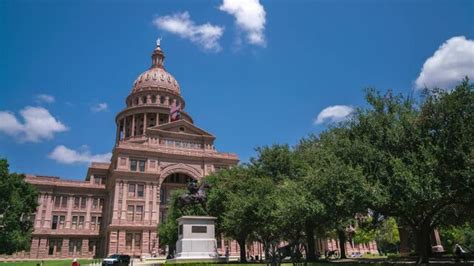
(46, 262)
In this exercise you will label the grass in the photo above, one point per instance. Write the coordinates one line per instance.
(46, 262)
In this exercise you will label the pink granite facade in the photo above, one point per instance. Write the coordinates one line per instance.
(119, 205)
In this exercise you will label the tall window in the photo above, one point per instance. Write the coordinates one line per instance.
(62, 220)
(141, 165)
(77, 202)
(81, 222)
(133, 165)
(128, 241)
(57, 201)
(138, 213)
(140, 190)
(74, 222)
(131, 190)
(64, 202)
(130, 211)
(83, 202)
(54, 223)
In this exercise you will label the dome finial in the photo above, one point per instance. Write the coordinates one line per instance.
(158, 56)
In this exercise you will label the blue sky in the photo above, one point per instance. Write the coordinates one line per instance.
(252, 72)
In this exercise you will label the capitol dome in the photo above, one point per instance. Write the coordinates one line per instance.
(156, 78)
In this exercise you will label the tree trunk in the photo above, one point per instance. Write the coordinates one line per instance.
(423, 243)
(342, 243)
(243, 256)
(311, 252)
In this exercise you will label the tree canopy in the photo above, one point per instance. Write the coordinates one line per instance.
(18, 202)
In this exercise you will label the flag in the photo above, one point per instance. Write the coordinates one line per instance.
(175, 111)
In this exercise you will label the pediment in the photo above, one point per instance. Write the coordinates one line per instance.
(180, 128)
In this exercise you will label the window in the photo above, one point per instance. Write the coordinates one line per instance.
(57, 201)
(162, 99)
(138, 241)
(74, 222)
(153, 99)
(95, 203)
(55, 246)
(62, 220)
(137, 165)
(141, 165)
(138, 213)
(99, 221)
(75, 247)
(131, 190)
(77, 201)
(133, 165)
(81, 222)
(101, 203)
(140, 190)
(64, 202)
(128, 241)
(130, 211)
(54, 223)
(83, 202)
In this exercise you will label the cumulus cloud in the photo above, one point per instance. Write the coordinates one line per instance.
(37, 125)
(335, 113)
(65, 155)
(249, 17)
(205, 35)
(44, 98)
(100, 107)
(453, 60)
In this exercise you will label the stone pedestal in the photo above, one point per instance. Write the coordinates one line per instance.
(196, 240)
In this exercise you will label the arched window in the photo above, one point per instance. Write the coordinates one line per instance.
(162, 99)
(153, 98)
(144, 100)
(136, 101)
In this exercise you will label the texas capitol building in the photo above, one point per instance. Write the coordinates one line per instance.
(118, 206)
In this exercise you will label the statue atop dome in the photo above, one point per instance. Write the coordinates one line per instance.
(158, 42)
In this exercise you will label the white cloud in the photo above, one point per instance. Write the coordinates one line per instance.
(335, 113)
(64, 155)
(44, 98)
(249, 17)
(453, 60)
(100, 107)
(38, 124)
(206, 35)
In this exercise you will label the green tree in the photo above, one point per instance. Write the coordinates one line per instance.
(18, 202)
(418, 158)
(337, 185)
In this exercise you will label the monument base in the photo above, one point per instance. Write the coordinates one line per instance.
(196, 240)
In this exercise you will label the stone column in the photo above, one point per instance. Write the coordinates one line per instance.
(154, 202)
(115, 207)
(146, 214)
(146, 242)
(49, 209)
(87, 221)
(113, 242)
(121, 241)
(144, 123)
(157, 119)
(39, 211)
(43, 248)
(70, 200)
(133, 125)
(34, 248)
(65, 248)
(124, 202)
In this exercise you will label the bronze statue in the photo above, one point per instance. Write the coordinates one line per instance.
(196, 194)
